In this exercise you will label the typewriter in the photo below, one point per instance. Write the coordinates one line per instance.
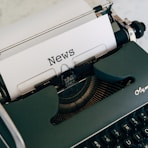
(73, 77)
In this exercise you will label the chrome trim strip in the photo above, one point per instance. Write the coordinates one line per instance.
(53, 28)
(11, 127)
(4, 141)
(45, 31)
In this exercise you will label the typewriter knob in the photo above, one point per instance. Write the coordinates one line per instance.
(139, 28)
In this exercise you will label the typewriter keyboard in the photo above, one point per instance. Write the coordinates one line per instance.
(131, 131)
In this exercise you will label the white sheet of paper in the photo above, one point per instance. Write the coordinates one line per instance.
(22, 71)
